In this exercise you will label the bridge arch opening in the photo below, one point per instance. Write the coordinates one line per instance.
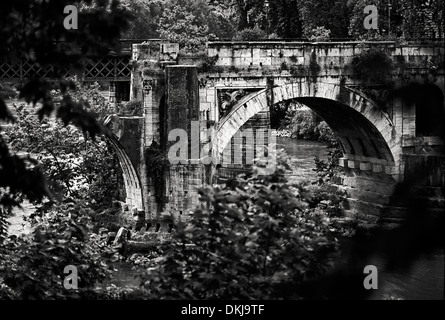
(366, 134)
(132, 181)
(358, 137)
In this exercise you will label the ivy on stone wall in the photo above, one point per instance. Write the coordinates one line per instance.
(374, 68)
(156, 165)
(380, 94)
(152, 72)
(209, 65)
(373, 65)
(131, 108)
(314, 67)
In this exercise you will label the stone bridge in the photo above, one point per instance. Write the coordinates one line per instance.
(389, 125)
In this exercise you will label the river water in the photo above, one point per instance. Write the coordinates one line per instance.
(302, 154)
(423, 281)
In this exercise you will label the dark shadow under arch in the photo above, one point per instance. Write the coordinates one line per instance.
(356, 134)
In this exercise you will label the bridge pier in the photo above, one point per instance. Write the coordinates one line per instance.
(186, 172)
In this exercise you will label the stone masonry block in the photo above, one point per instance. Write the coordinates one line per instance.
(265, 61)
(353, 164)
(377, 168)
(277, 94)
(390, 170)
(365, 166)
(343, 162)
(284, 95)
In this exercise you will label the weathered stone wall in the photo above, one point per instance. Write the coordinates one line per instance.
(239, 154)
(182, 103)
(148, 60)
(333, 58)
(148, 83)
(377, 142)
(372, 165)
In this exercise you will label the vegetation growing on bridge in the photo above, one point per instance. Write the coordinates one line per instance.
(131, 108)
(156, 165)
(373, 65)
(374, 68)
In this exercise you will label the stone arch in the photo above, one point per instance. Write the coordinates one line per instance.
(365, 132)
(132, 182)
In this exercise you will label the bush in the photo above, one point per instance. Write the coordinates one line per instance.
(255, 238)
(7, 91)
(305, 124)
(250, 34)
(320, 34)
(208, 65)
(372, 65)
(131, 108)
(31, 267)
(73, 166)
(326, 170)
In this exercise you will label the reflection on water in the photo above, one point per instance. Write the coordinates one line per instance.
(302, 154)
(423, 281)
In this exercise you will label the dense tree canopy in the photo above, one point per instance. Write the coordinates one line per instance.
(193, 22)
(412, 19)
(73, 165)
(32, 31)
(145, 22)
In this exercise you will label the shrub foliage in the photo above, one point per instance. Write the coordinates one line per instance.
(254, 238)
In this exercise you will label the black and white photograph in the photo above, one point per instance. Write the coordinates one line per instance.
(222, 156)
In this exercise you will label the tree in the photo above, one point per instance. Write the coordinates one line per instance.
(246, 14)
(422, 19)
(33, 31)
(145, 22)
(332, 15)
(256, 238)
(178, 24)
(284, 18)
(74, 166)
(32, 266)
(192, 23)
(412, 19)
(357, 17)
